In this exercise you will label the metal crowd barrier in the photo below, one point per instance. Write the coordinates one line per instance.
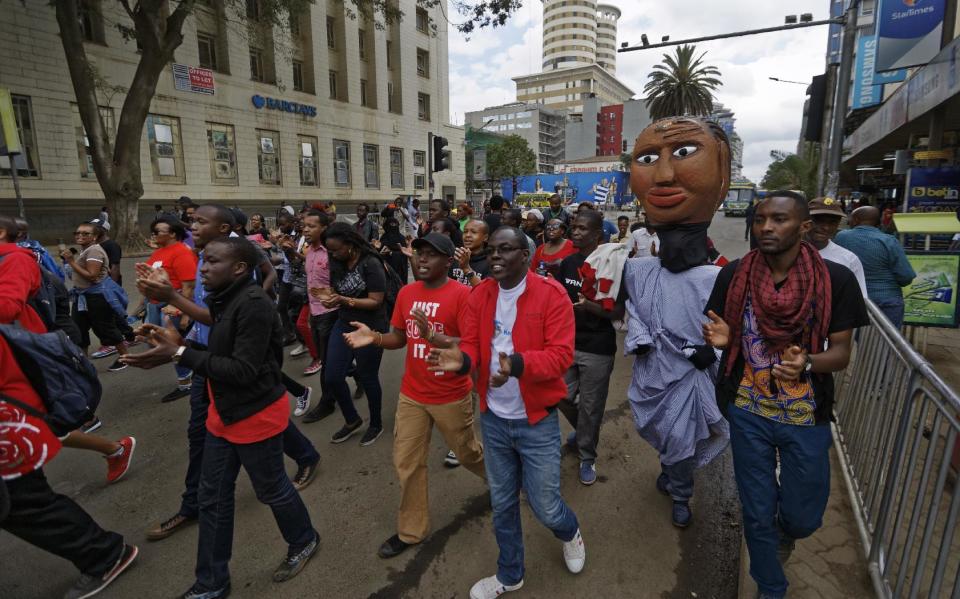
(897, 432)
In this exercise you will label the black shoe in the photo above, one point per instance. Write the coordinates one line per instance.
(175, 395)
(88, 586)
(320, 412)
(289, 340)
(373, 433)
(392, 547)
(346, 432)
(292, 564)
(305, 475)
(198, 592)
(117, 366)
(91, 425)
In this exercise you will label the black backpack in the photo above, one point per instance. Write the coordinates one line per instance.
(392, 289)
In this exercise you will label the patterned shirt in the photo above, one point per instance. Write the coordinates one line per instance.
(885, 265)
(786, 403)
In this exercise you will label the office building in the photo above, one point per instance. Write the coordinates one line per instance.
(542, 127)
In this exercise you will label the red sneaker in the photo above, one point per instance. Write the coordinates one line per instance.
(313, 368)
(117, 465)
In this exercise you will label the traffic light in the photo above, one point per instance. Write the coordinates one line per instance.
(441, 154)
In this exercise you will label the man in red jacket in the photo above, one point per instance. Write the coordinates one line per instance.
(518, 332)
(37, 515)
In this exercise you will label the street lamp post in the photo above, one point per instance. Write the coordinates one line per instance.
(832, 184)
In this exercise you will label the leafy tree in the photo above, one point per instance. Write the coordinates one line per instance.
(510, 159)
(157, 28)
(792, 171)
(626, 160)
(681, 85)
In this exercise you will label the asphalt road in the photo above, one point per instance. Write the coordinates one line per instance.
(632, 548)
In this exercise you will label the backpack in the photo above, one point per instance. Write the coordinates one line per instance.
(392, 289)
(44, 301)
(59, 372)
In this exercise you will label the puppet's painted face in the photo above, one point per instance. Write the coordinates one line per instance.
(680, 171)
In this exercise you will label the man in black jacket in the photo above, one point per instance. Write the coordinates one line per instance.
(247, 416)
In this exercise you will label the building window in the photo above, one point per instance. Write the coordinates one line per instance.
(392, 104)
(222, 148)
(419, 181)
(268, 157)
(332, 78)
(341, 163)
(423, 63)
(423, 107)
(253, 10)
(295, 25)
(308, 160)
(419, 158)
(331, 33)
(389, 55)
(91, 20)
(84, 147)
(256, 64)
(363, 92)
(362, 43)
(396, 168)
(371, 166)
(207, 48)
(297, 76)
(166, 149)
(423, 20)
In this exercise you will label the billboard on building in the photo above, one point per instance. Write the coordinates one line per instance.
(867, 83)
(611, 187)
(908, 32)
(932, 190)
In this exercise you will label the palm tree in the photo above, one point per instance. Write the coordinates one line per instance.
(681, 85)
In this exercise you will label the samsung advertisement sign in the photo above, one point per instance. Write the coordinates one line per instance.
(260, 102)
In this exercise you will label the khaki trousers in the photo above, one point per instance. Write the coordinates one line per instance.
(411, 444)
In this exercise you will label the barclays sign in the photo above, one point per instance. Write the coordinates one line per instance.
(260, 102)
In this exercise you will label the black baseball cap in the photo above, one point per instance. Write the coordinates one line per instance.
(439, 242)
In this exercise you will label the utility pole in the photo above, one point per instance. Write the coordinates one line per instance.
(842, 92)
(429, 167)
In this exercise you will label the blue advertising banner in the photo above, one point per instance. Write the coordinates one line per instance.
(837, 8)
(932, 190)
(611, 187)
(865, 93)
(908, 32)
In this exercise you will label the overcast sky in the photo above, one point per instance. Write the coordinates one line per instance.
(768, 113)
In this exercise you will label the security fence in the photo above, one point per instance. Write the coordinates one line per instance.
(897, 431)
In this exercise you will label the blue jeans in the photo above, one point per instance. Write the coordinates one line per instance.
(339, 359)
(792, 509)
(680, 478)
(155, 316)
(295, 445)
(515, 452)
(263, 462)
(893, 310)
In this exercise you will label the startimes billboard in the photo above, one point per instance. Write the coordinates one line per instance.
(908, 32)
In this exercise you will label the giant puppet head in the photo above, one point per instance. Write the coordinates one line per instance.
(681, 170)
(680, 174)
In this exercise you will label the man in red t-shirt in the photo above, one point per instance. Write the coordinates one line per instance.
(37, 514)
(180, 264)
(433, 304)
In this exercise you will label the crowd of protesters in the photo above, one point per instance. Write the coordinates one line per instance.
(513, 312)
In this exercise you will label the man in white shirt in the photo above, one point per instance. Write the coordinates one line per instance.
(826, 214)
(644, 238)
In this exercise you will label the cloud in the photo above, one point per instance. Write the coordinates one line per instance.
(768, 113)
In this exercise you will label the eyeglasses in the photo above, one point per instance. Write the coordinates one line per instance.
(82, 233)
(552, 227)
(504, 249)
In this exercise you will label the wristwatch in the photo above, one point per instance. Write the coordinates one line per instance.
(469, 274)
(808, 365)
(175, 358)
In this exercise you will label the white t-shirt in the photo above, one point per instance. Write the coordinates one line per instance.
(642, 239)
(506, 401)
(841, 255)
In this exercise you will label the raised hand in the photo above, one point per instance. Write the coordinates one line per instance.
(462, 256)
(156, 285)
(165, 342)
(361, 337)
(716, 332)
(791, 365)
(500, 378)
(423, 325)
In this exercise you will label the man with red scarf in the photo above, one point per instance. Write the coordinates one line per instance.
(787, 321)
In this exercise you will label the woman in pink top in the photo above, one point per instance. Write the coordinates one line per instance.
(556, 248)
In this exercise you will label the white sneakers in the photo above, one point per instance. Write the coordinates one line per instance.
(491, 588)
(574, 554)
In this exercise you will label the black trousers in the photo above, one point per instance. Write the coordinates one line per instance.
(100, 317)
(55, 523)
